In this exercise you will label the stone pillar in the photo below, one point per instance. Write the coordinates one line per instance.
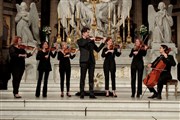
(138, 12)
(1, 23)
(178, 34)
(53, 16)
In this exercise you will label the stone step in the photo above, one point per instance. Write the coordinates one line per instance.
(63, 117)
(80, 111)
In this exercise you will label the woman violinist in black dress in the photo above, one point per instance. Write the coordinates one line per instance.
(44, 67)
(17, 63)
(165, 74)
(64, 56)
(137, 65)
(109, 65)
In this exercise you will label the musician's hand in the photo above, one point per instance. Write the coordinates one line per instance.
(104, 40)
(149, 65)
(111, 51)
(67, 55)
(135, 52)
(92, 38)
(165, 55)
(145, 47)
(46, 56)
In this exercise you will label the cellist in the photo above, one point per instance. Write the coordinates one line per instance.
(165, 74)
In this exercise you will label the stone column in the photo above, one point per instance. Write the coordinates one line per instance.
(178, 34)
(138, 12)
(53, 16)
(1, 23)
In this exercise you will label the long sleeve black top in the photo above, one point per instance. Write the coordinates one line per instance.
(63, 60)
(169, 61)
(86, 47)
(15, 59)
(139, 57)
(44, 63)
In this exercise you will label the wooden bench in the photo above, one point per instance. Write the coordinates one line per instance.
(172, 82)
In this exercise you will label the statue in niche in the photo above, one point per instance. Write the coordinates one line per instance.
(160, 23)
(86, 14)
(27, 23)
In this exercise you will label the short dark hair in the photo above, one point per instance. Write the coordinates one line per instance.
(84, 29)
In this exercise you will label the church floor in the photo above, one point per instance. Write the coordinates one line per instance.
(73, 108)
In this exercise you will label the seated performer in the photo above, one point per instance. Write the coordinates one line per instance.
(137, 65)
(109, 65)
(44, 67)
(64, 56)
(165, 74)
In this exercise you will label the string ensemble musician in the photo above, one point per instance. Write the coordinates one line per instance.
(64, 56)
(18, 55)
(44, 67)
(137, 66)
(165, 75)
(109, 65)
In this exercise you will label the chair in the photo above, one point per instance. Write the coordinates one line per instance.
(171, 82)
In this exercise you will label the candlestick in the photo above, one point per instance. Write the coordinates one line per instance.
(109, 15)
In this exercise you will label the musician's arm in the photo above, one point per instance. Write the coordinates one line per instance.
(169, 60)
(131, 53)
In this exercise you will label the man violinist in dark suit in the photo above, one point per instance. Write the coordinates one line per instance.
(87, 61)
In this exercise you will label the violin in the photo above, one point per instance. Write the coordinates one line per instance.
(96, 38)
(26, 47)
(152, 78)
(69, 50)
(113, 46)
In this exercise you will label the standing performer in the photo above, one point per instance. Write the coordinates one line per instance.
(87, 60)
(137, 65)
(64, 56)
(109, 65)
(44, 67)
(165, 74)
(17, 63)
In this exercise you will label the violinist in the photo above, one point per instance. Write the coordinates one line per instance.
(17, 63)
(44, 67)
(137, 66)
(165, 74)
(64, 56)
(109, 65)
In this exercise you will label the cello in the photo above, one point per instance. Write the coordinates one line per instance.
(152, 78)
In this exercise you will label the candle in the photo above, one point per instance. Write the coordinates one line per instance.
(109, 12)
(78, 12)
(119, 11)
(72, 20)
(128, 12)
(69, 13)
(114, 16)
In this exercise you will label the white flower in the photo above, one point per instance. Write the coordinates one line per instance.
(47, 30)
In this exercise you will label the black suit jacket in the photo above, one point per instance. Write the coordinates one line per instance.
(86, 47)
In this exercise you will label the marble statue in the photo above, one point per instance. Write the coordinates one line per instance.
(84, 10)
(160, 23)
(27, 23)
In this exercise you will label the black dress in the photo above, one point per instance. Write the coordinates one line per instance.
(137, 65)
(65, 68)
(44, 67)
(17, 65)
(110, 66)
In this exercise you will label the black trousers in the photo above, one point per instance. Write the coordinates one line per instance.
(162, 81)
(17, 74)
(84, 67)
(65, 71)
(38, 88)
(109, 68)
(136, 68)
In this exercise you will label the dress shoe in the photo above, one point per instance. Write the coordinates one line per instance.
(159, 97)
(68, 94)
(153, 96)
(62, 95)
(107, 94)
(132, 96)
(138, 95)
(92, 96)
(81, 96)
(17, 96)
(44, 96)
